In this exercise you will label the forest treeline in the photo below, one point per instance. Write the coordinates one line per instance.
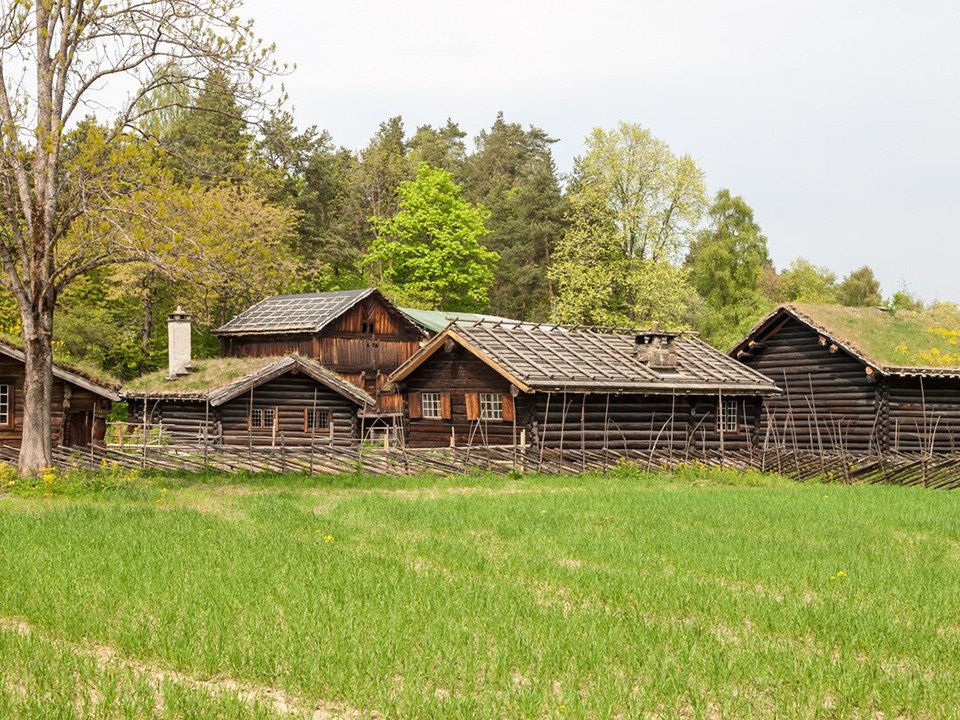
(433, 218)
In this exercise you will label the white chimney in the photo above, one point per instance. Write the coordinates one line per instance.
(178, 343)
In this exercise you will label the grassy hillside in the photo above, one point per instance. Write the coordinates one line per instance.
(619, 596)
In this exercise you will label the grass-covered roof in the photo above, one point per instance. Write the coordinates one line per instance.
(902, 339)
(204, 376)
(221, 379)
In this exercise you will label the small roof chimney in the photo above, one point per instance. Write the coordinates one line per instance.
(657, 348)
(178, 343)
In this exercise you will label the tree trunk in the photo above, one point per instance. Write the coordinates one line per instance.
(37, 430)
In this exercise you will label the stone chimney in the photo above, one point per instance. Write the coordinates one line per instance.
(178, 343)
(657, 349)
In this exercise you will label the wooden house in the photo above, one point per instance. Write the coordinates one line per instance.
(79, 406)
(579, 389)
(358, 334)
(261, 401)
(858, 380)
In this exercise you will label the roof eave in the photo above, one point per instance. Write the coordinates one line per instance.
(67, 375)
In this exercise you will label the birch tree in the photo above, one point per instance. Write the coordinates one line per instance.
(634, 207)
(60, 59)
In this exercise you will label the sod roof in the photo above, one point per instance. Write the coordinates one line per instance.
(904, 342)
(221, 379)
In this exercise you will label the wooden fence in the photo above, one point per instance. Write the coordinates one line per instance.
(939, 471)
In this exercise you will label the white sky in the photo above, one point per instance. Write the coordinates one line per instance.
(837, 120)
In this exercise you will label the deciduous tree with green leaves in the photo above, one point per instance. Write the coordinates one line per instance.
(56, 57)
(860, 289)
(430, 250)
(727, 262)
(634, 206)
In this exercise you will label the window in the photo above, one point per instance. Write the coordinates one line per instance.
(431, 406)
(315, 419)
(491, 406)
(367, 327)
(5, 409)
(262, 418)
(727, 415)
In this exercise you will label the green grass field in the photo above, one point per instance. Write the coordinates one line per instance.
(625, 595)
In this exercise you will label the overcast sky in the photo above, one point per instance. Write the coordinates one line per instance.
(837, 120)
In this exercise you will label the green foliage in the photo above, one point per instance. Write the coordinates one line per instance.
(805, 282)
(903, 299)
(634, 206)
(210, 142)
(431, 247)
(726, 262)
(513, 175)
(636, 594)
(860, 289)
(441, 148)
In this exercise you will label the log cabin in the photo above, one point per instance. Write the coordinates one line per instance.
(358, 334)
(857, 380)
(79, 406)
(580, 389)
(259, 401)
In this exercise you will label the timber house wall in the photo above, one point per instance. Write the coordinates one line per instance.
(364, 345)
(290, 397)
(836, 401)
(619, 421)
(829, 401)
(77, 418)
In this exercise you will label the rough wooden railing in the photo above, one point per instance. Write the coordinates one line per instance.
(936, 471)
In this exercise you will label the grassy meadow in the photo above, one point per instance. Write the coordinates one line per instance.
(628, 595)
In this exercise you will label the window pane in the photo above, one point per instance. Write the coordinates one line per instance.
(430, 405)
(727, 413)
(4, 404)
(491, 406)
(317, 419)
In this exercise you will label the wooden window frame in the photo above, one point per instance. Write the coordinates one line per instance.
(474, 412)
(431, 405)
(307, 428)
(723, 405)
(415, 406)
(490, 402)
(11, 404)
(263, 409)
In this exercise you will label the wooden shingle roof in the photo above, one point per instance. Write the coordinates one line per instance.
(588, 361)
(304, 313)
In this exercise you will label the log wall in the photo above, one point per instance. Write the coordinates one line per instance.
(290, 396)
(923, 415)
(675, 423)
(457, 373)
(829, 404)
(77, 418)
(575, 420)
(347, 346)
